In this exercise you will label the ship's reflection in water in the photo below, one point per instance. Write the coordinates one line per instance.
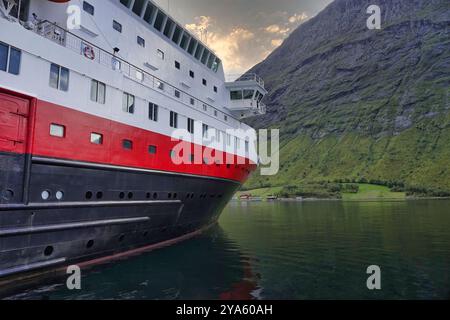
(210, 266)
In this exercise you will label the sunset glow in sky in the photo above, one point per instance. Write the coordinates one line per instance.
(242, 32)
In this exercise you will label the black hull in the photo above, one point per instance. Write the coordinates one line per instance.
(104, 211)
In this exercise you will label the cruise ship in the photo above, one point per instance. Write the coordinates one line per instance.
(90, 164)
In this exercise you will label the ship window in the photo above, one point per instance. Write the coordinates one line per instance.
(177, 65)
(211, 60)
(260, 96)
(247, 146)
(127, 144)
(205, 56)
(177, 34)
(141, 42)
(173, 119)
(153, 111)
(57, 130)
(152, 149)
(218, 135)
(117, 26)
(148, 15)
(160, 54)
(184, 41)
(216, 64)
(215, 89)
(225, 117)
(237, 143)
(59, 77)
(236, 95)
(248, 94)
(228, 139)
(205, 83)
(177, 94)
(191, 74)
(190, 125)
(96, 138)
(192, 46)
(89, 8)
(3, 56)
(215, 113)
(205, 129)
(138, 6)
(159, 85)
(128, 102)
(10, 59)
(205, 107)
(126, 3)
(192, 101)
(168, 28)
(199, 51)
(159, 21)
(98, 91)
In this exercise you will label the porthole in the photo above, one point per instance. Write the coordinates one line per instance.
(99, 195)
(175, 195)
(89, 244)
(59, 195)
(155, 196)
(148, 195)
(89, 195)
(130, 195)
(48, 251)
(169, 196)
(122, 195)
(45, 195)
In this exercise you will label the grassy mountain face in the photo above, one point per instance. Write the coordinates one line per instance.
(356, 104)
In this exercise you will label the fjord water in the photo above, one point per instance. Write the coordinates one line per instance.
(284, 250)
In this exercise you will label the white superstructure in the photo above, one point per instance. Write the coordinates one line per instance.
(131, 48)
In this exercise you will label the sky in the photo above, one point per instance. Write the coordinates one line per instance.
(242, 32)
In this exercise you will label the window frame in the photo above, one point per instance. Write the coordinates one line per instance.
(59, 78)
(152, 149)
(153, 110)
(8, 61)
(129, 142)
(98, 135)
(128, 108)
(58, 126)
(190, 125)
(98, 85)
(140, 41)
(87, 6)
(117, 26)
(173, 120)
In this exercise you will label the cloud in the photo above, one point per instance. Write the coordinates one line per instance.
(298, 17)
(275, 28)
(241, 46)
(276, 42)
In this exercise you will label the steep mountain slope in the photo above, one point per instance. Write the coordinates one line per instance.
(360, 104)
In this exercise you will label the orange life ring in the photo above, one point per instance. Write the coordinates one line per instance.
(88, 52)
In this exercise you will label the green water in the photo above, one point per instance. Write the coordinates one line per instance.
(310, 250)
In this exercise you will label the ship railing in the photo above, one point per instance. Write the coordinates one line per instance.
(78, 45)
(251, 77)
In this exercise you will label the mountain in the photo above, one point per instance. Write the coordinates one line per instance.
(355, 104)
